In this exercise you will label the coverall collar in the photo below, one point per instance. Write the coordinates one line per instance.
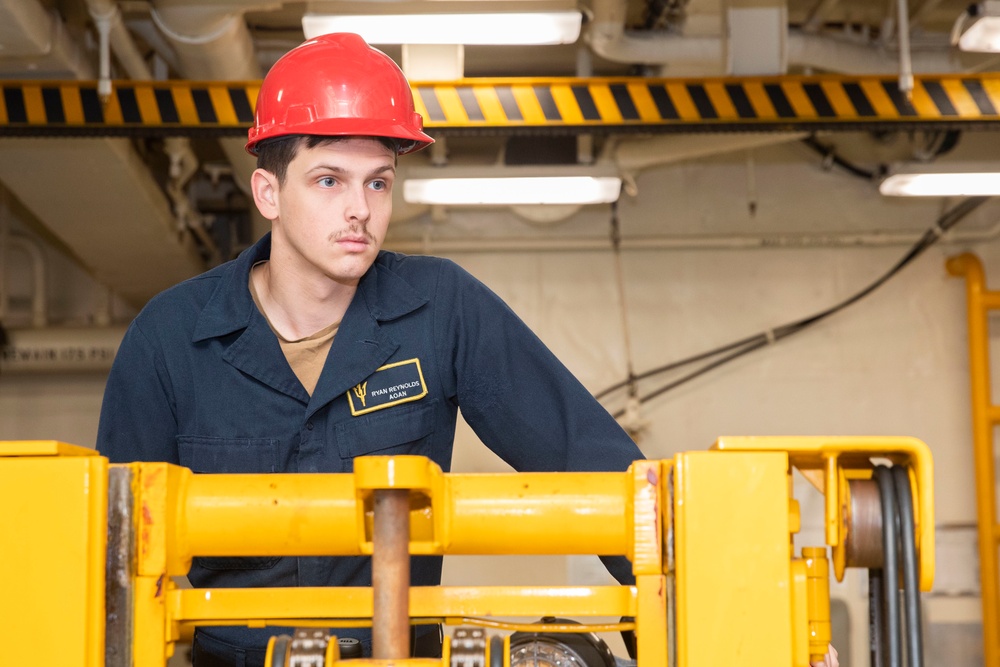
(385, 295)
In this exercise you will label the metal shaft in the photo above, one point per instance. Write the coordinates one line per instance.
(391, 575)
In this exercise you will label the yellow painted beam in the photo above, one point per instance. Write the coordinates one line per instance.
(298, 514)
(284, 605)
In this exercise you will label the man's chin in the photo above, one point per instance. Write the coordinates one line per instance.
(350, 270)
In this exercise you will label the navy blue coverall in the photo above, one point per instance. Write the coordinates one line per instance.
(200, 381)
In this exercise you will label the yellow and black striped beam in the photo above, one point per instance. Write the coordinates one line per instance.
(134, 108)
(516, 105)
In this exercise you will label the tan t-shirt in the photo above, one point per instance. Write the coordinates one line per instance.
(306, 356)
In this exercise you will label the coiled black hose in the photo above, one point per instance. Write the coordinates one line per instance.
(876, 640)
(908, 551)
(890, 574)
(899, 566)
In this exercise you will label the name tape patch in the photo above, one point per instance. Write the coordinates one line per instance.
(392, 384)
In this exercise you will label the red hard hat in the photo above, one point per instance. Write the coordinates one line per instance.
(337, 85)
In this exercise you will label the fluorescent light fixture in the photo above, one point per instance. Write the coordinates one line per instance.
(510, 186)
(983, 34)
(513, 28)
(943, 181)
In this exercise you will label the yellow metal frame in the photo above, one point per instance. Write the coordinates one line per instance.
(709, 535)
(985, 416)
(180, 514)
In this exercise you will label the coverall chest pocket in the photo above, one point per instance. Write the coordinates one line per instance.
(205, 454)
(400, 429)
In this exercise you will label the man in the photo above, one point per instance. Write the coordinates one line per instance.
(314, 347)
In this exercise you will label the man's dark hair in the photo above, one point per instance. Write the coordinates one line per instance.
(274, 155)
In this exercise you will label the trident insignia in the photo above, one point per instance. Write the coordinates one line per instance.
(361, 390)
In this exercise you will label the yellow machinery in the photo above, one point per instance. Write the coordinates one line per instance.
(89, 550)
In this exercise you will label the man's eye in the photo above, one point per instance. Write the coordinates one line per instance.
(328, 182)
(378, 185)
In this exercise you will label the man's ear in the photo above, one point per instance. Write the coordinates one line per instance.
(264, 186)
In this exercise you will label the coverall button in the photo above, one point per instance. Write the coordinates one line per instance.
(309, 426)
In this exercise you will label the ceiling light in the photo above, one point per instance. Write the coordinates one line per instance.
(983, 33)
(510, 186)
(559, 27)
(943, 181)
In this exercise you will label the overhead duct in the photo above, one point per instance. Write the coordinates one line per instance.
(840, 55)
(212, 43)
(27, 30)
(35, 43)
(610, 39)
(111, 212)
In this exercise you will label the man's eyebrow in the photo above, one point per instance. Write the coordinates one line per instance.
(340, 170)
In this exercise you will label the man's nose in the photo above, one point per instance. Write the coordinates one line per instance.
(356, 207)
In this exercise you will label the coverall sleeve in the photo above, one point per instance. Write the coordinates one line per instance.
(138, 420)
(521, 401)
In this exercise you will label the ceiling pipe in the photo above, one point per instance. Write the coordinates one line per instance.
(613, 42)
(211, 39)
(213, 43)
(905, 57)
(121, 43)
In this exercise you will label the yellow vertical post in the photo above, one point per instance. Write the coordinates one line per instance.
(647, 562)
(156, 491)
(734, 581)
(979, 302)
(52, 536)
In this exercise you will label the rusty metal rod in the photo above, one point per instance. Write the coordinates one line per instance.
(391, 575)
